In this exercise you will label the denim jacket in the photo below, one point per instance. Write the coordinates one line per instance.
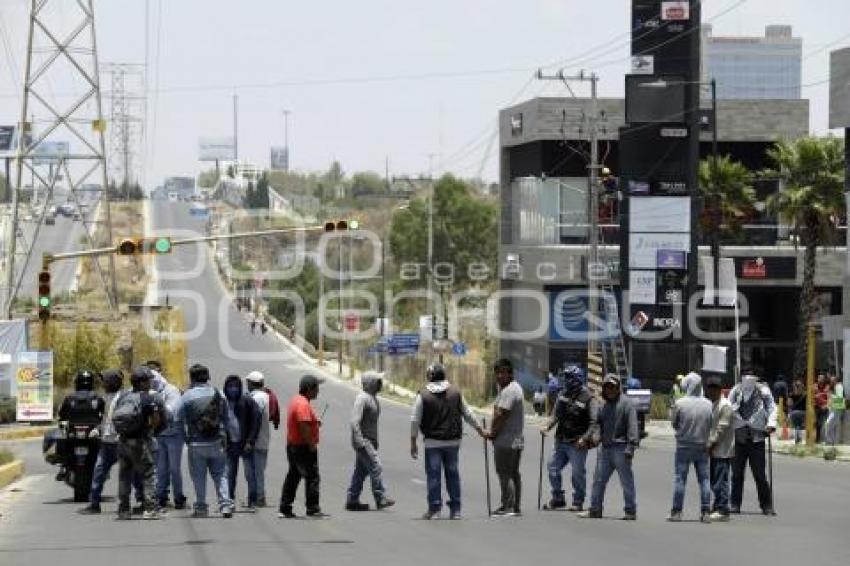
(192, 403)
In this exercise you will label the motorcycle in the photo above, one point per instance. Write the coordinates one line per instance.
(73, 447)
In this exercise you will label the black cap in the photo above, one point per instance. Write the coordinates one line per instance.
(154, 364)
(140, 375)
(503, 363)
(308, 382)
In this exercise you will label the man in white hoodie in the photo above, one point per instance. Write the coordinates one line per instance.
(754, 414)
(691, 419)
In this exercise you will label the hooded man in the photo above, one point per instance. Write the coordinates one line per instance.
(754, 414)
(618, 437)
(255, 461)
(242, 430)
(575, 415)
(691, 419)
(721, 443)
(169, 442)
(364, 439)
(438, 413)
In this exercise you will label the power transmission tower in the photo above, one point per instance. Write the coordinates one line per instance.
(61, 49)
(127, 126)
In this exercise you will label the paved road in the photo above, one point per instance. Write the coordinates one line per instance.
(64, 236)
(39, 525)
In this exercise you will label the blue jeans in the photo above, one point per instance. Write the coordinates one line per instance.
(564, 454)
(106, 458)
(608, 459)
(721, 471)
(233, 455)
(444, 459)
(209, 457)
(685, 457)
(168, 468)
(367, 465)
(255, 474)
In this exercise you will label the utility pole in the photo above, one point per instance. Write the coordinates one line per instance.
(235, 130)
(593, 168)
(286, 114)
(127, 103)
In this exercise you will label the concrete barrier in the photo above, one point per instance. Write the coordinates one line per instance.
(10, 472)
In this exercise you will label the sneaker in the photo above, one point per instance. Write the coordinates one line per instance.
(501, 512)
(629, 517)
(718, 517)
(515, 513)
(261, 502)
(286, 514)
(575, 508)
(180, 503)
(590, 514)
(428, 515)
(768, 511)
(705, 517)
(385, 503)
(674, 517)
(200, 514)
(455, 516)
(227, 512)
(150, 515)
(124, 515)
(356, 506)
(93, 509)
(554, 504)
(317, 514)
(138, 509)
(249, 508)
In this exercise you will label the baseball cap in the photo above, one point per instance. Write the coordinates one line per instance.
(254, 377)
(309, 381)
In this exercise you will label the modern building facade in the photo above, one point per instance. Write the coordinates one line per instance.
(544, 234)
(768, 67)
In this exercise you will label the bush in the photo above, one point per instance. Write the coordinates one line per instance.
(7, 410)
(659, 408)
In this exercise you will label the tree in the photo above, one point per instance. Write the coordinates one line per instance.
(465, 231)
(250, 196)
(208, 179)
(366, 183)
(261, 193)
(811, 200)
(727, 190)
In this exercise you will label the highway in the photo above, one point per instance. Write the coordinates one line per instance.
(39, 525)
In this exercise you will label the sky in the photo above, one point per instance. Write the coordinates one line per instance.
(417, 84)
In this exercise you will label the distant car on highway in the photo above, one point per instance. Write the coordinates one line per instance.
(50, 220)
(77, 215)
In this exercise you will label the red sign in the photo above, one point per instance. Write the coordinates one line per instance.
(754, 269)
(351, 322)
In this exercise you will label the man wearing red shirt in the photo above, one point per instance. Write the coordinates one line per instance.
(302, 443)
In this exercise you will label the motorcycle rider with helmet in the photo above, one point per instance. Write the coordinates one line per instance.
(113, 380)
(82, 407)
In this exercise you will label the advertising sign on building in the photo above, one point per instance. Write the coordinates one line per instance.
(675, 11)
(671, 259)
(643, 65)
(839, 89)
(7, 134)
(642, 287)
(660, 214)
(35, 386)
(643, 248)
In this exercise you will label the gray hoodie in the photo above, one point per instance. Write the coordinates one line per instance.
(618, 423)
(365, 414)
(692, 414)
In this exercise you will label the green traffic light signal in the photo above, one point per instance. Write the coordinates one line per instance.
(44, 302)
(354, 224)
(162, 245)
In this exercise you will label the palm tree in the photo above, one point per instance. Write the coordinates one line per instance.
(727, 190)
(811, 200)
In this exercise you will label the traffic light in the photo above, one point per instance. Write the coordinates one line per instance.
(342, 225)
(44, 300)
(134, 246)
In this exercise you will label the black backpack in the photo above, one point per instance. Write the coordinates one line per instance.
(128, 417)
(208, 421)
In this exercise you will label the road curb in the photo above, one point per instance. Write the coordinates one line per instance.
(10, 472)
(24, 433)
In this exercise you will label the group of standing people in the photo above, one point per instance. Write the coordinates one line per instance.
(144, 430)
(829, 404)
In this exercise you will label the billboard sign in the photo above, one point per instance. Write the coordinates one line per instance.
(7, 135)
(280, 159)
(402, 344)
(34, 378)
(643, 65)
(643, 248)
(217, 149)
(49, 152)
(675, 11)
(660, 214)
